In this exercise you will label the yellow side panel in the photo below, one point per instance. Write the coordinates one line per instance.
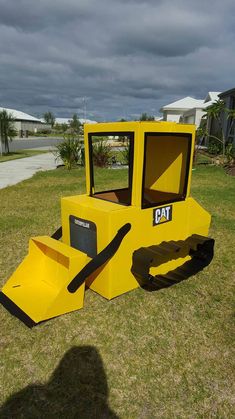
(187, 218)
(115, 277)
(199, 218)
(142, 234)
(97, 211)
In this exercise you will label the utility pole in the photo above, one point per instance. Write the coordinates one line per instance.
(84, 108)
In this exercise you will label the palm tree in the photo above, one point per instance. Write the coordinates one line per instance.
(215, 111)
(7, 129)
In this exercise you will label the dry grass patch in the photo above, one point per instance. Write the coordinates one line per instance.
(14, 155)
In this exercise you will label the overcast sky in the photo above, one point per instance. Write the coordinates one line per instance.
(125, 56)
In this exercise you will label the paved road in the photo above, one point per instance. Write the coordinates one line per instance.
(27, 143)
(14, 171)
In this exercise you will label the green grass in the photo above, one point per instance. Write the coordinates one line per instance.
(168, 354)
(20, 154)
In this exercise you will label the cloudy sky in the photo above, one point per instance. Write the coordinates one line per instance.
(124, 56)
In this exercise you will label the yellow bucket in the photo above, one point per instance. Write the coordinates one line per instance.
(38, 287)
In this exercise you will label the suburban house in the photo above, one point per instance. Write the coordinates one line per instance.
(174, 111)
(188, 110)
(24, 122)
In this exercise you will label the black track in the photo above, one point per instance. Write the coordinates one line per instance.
(200, 248)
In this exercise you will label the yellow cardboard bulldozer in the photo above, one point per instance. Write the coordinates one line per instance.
(147, 231)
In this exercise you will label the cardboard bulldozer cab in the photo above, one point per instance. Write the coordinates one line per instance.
(147, 231)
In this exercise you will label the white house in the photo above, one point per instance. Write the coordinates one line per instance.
(194, 115)
(24, 122)
(174, 111)
(188, 110)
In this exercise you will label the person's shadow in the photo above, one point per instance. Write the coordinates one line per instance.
(77, 389)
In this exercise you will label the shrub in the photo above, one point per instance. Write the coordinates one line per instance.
(230, 154)
(214, 147)
(101, 154)
(82, 159)
(126, 155)
(69, 152)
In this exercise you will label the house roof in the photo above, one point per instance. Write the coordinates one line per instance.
(212, 96)
(18, 115)
(67, 121)
(207, 104)
(87, 121)
(184, 104)
(63, 120)
(189, 103)
(227, 93)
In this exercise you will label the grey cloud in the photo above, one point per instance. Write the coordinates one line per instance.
(26, 15)
(127, 57)
(165, 31)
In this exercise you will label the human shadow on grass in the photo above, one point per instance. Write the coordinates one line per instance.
(77, 389)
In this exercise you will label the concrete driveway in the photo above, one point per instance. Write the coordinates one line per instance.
(14, 171)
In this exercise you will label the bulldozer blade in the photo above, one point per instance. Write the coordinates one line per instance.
(37, 290)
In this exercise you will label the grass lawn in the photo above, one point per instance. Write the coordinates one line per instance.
(20, 154)
(166, 354)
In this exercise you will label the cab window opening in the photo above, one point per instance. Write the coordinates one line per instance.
(111, 151)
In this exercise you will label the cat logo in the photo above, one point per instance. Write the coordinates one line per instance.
(162, 215)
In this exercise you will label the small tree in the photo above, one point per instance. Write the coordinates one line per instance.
(75, 124)
(7, 129)
(49, 118)
(61, 128)
(145, 117)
